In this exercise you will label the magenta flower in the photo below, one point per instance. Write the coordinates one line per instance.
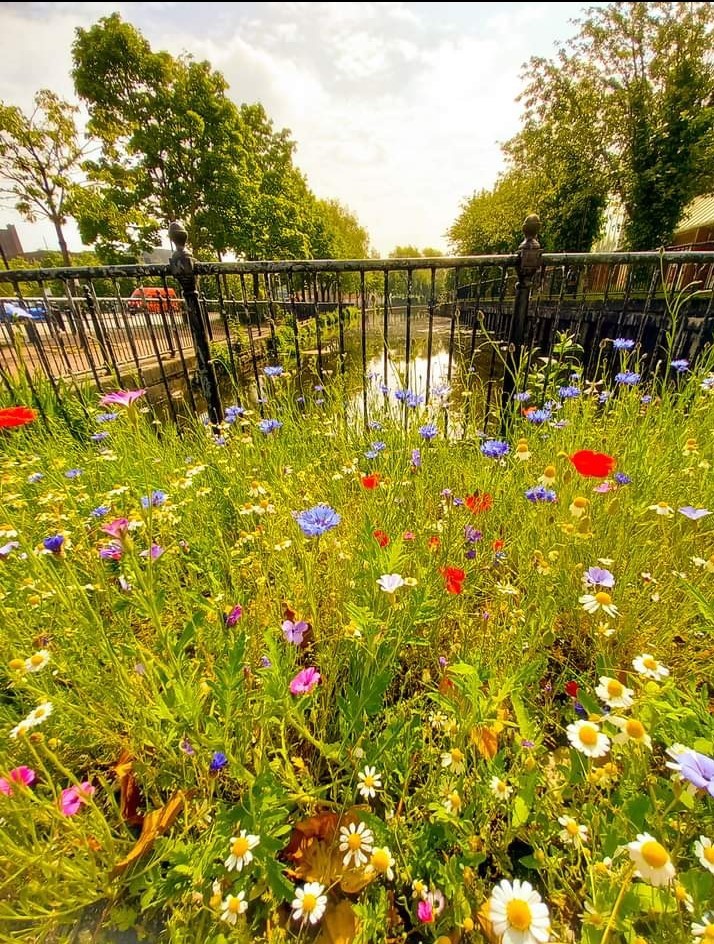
(425, 912)
(305, 681)
(232, 617)
(117, 528)
(19, 775)
(111, 551)
(122, 397)
(73, 797)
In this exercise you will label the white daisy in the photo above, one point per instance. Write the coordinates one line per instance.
(662, 508)
(648, 666)
(703, 932)
(518, 914)
(499, 788)
(614, 693)
(573, 832)
(579, 506)
(390, 583)
(40, 714)
(419, 889)
(454, 759)
(381, 862)
(631, 730)
(356, 841)
(593, 602)
(653, 862)
(586, 737)
(453, 803)
(309, 903)
(37, 661)
(241, 854)
(704, 851)
(232, 906)
(21, 728)
(369, 782)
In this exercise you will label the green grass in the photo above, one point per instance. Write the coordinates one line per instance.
(141, 663)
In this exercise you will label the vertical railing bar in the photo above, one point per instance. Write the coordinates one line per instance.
(455, 316)
(430, 332)
(408, 317)
(109, 346)
(295, 325)
(341, 326)
(271, 313)
(363, 327)
(129, 335)
(179, 340)
(385, 330)
(251, 343)
(474, 327)
(318, 331)
(79, 322)
(54, 331)
(226, 325)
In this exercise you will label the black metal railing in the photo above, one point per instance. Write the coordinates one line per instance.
(201, 333)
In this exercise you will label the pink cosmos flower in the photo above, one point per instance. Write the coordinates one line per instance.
(73, 797)
(117, 528)
(305, 681)
(425, 912)
(21, 775)
(122, 397)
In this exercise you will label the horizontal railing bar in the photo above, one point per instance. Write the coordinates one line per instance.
(290, 266)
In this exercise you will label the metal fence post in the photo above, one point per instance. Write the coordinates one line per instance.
(182, 268)
(528, 264)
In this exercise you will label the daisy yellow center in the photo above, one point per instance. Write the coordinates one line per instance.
(380, 861)
(549, 471)
(692, 443)
(708, 853)
(662, 505)
(519, 914)
(604, 599)
(708, 934)
(368, 780)
(522, 447)
(37, 659)
(649, 662)
(635, 729)
(40, 712)
(354, 841)
(572, 827)
(455, 800)
(654, 854)
(588, 735)
(240, 847)
(457, 756)
(614, 688)
(309, 903)
(234, 905)
(580, 502)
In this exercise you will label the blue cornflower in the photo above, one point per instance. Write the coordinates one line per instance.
(681, 365)
(73, 473)
(621, 478)
(604, 396)
(218, 762)
(106, 417)
(441, 391)
(383, 388)
(300, 400)
(416, 458)
(35, 477)
(646, 399)
(100, 511)
(99, 437)
(371, 454)
(265, 662)
(627, 377)
(539, 493)
(378, 446)
(318, 388)
(495, 449)
(269, 426)
(414, 399)
(233, 412)
(156, 498)
(400, 395)
(428, 431)
(53, 543)
(317, 520)
(538, 416)
(569, 393)
(522, 397)
(373, 424)
(274, 371)
(623, 344)
(471, 534)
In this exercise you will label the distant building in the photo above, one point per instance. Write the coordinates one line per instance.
(157, 256)
(694, 231)
(10, 242)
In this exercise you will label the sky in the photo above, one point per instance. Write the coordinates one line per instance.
(397, 109)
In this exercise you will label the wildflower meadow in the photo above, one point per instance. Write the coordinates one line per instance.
(302, 678)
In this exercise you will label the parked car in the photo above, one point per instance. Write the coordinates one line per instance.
(12, 311)
(153, 299)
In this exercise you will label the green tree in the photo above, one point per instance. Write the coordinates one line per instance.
(40, 159)
(490, 220)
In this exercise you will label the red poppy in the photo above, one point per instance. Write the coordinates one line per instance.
(454, 577)
(433, 542)
(571, 688)
(12, 416)
(478, 502)
(596, 465)
(381, 537)
(371, 481)
(498, 544)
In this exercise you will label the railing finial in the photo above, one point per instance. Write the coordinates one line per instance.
(178, 234)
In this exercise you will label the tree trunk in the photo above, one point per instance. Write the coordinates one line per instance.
(62, 242)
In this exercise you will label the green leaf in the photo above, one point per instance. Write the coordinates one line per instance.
(521, 812)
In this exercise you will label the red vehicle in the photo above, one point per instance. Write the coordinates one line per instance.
(153, 300)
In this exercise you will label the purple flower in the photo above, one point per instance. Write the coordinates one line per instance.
(294, 632)
(378, 446)
(538, 416)
(106, 417)
(187, 747)
(371, 454)
(99, 437)
(269, 426)
(621, 478)
(443, 661)
(8, 548)
(681, 365)
(470, 554)
(35, 477)
(154, 552)
(495, 449)
(305, 681)
(414, 400)
(646, 399)
(694, 514)
(231, 618)
(100, 511)
(116, 528)
(383, 388)
(697, 769)
(220, 440)
(604, 396)
(522, 397)
(527, 744)
(569, 393)
(218, 762)
(317, 520)
(539, 493)
(627, 377)
(156, 498)
(428, 431)
(73, 473)
(122, 397)
(603, 487)
(400, 395)
(232, 413)
(416, 458)
(373, 424)
(111, 551)
(580, 710)
(318, 388)
(471, 534)
(265, 662)
(274, 371)
(623, 344)
(598, 577)
(54, 543)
